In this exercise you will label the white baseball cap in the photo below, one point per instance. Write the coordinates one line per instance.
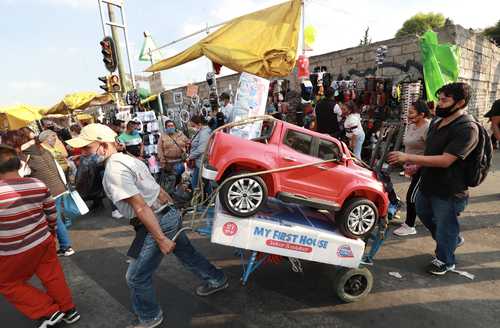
(91, 133)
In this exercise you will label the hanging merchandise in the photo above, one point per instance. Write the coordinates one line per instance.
(440, 61)
(306, 90)
(303, 67)
(150, 137)
(410, 92)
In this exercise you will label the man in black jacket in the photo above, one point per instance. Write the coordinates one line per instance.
(327, 114)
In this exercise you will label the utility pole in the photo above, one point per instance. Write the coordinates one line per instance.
(116, 38)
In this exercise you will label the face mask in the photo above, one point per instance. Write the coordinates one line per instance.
(445, 111)
(170, 130)
(135, 132)
(98, 158)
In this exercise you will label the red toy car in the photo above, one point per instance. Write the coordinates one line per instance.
(353, 193)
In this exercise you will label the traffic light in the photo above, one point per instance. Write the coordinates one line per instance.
(114, 83)
(105, 80)
(109, 54)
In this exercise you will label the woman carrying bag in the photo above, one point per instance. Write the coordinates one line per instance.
(44, 167)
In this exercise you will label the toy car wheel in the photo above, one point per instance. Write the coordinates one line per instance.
(351, 285)
(357, 218)
(244, 196)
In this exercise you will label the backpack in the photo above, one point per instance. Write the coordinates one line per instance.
(478, 162)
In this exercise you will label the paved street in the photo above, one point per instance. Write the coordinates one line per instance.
(277, 297)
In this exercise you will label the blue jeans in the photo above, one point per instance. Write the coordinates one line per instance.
(140, 271)
(440, 216)
(358, 147)
(194, 181)
(61, 231)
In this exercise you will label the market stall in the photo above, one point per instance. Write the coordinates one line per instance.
(18, 116)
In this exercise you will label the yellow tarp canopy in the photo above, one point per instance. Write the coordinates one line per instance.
(79, 100)
(18, 116)
(263, 43)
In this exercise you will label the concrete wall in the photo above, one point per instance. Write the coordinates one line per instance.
(480, 65)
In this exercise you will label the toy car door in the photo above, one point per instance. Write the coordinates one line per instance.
(296, 149)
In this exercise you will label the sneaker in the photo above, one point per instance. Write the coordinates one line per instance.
(116, 215)
(71, 316)
(50, 321)
(405, 230)
(366, 261)
(439, 268)
(65, 252)
(460, 241)
(206, 289)
(148, 324)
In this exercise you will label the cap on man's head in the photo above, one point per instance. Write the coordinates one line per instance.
(134, 121)
(91, 133)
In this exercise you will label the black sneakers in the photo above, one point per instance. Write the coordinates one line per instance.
(71, 316)
(439, 268)
(51, 321)
(206, 289)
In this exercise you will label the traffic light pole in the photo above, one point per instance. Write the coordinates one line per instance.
(116, 39)
(114, 31)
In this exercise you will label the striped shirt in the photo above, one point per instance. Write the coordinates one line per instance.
(27, 212)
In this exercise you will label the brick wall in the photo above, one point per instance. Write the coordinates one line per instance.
(480, 65)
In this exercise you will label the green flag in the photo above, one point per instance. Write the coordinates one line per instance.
(147, 53)
(440, 62)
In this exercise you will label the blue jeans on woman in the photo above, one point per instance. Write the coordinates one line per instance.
(358, 147)
(440, 216)
(194, 181)
(140, 271)
(61, 231)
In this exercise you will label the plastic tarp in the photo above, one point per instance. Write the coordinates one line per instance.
(18, 116)
(440, 63)
(79, 100)
(263, 43)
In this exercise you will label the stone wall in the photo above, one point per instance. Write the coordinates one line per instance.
(480, 65)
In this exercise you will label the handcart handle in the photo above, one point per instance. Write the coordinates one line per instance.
(181, 231)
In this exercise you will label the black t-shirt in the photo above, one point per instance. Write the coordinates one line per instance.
(326, 119)
(458, 138)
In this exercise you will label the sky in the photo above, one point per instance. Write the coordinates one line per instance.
(51, 47)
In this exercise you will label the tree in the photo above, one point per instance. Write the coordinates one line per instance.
(365, 41)
(421, 22)
(493, 33)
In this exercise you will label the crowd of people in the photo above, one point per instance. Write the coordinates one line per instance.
(107, 161)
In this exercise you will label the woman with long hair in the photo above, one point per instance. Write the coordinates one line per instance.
(414, 142)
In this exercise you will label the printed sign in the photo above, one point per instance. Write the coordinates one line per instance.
(251, 100)
(344, 251)
(230, 229)
(287, 230)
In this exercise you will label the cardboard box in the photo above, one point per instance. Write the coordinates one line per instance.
(288, 230)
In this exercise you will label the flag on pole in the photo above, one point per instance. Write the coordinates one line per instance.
(147, 53)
